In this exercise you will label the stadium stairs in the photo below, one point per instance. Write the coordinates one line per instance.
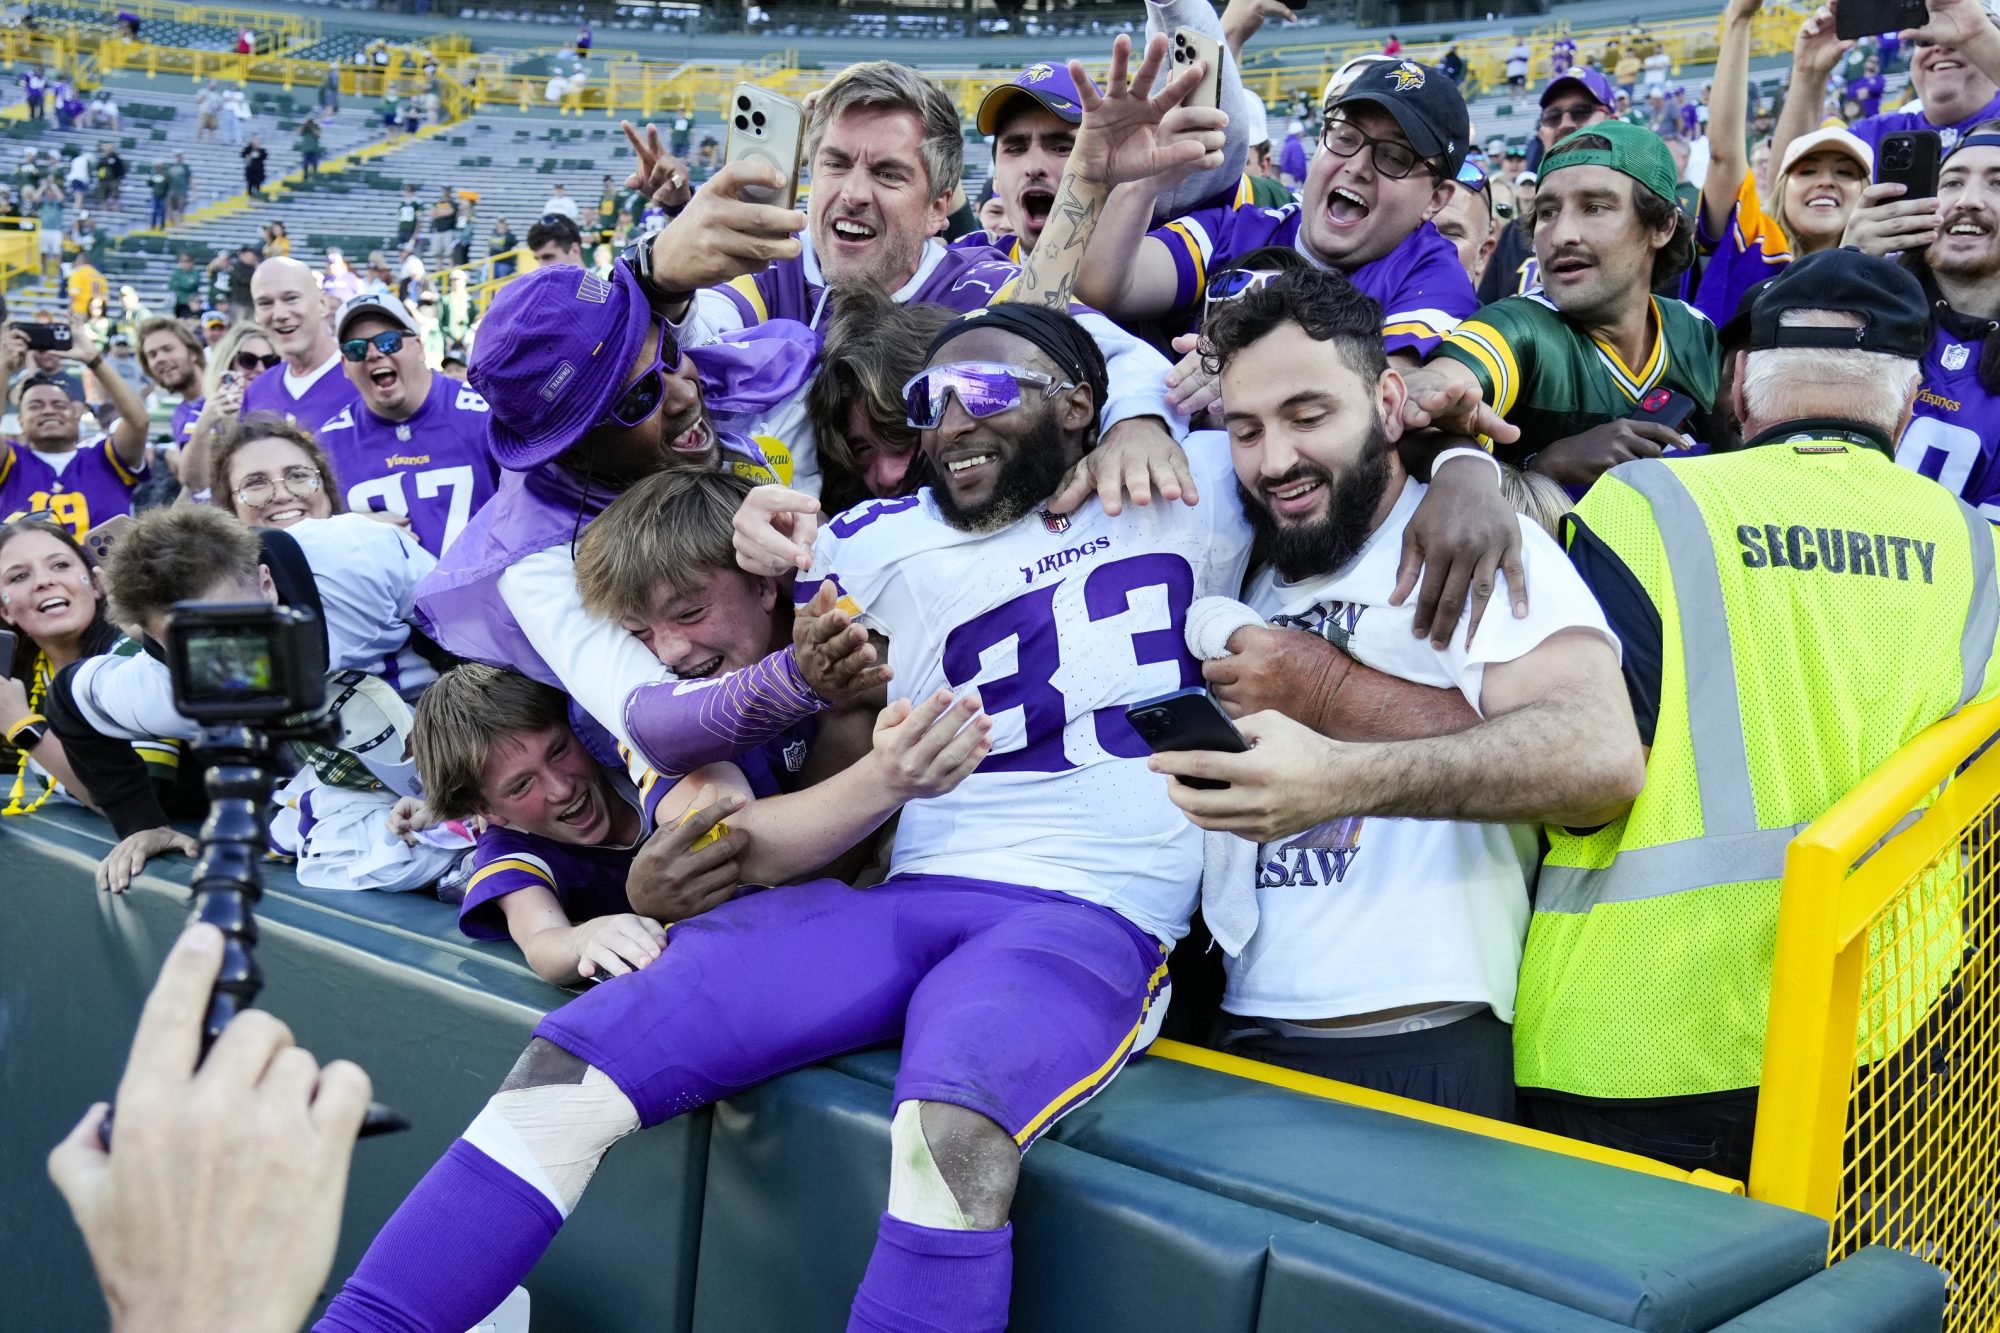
(1183, 1198)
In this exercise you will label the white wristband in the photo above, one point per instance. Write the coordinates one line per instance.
(1210, 622)
(1467, 451)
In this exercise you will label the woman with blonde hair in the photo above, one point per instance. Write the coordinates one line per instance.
(244, 353)
(1744, 236)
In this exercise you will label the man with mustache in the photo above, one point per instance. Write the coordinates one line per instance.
(1953, 244)
(1567, 366)
(1574, 99)
(1379, 951)
(1019, 972)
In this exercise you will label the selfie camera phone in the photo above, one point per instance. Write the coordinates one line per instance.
(1855, 19)
(1665, 406)
(1910, 158)
(1189, 47)
(45, 337)
(1187, 719)
(10, 643)
(100, 539)
(245, 663)
(769, 129)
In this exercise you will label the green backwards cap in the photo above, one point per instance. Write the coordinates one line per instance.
(1634, 152)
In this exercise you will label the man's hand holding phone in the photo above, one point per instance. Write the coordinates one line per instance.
(720, 236)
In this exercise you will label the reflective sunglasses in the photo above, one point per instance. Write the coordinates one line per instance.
(1471, 177)
(1390, 158)
(1572, 113)
(257, 489)
(984, 389)
(388, 343)
(251, 361)
(1234, 282)
(642, 396)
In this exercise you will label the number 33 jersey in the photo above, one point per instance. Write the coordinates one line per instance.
(1060, 622)
(434, 468)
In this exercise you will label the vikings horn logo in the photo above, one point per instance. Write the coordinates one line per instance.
(1335, 835)
(1038, 73)
(1408, 74)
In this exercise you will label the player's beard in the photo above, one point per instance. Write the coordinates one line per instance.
(1029, 475)
(1325, 544)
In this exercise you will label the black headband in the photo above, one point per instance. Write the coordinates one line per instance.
(1058, 335)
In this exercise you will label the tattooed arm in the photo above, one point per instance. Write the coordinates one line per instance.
(1123, 137)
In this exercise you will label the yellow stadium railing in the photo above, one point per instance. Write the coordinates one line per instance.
(19, 249)
(1880, 1108)
(274, 28)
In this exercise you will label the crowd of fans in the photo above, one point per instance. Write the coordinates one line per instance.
(1540, 561)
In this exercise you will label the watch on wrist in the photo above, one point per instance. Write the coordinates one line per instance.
(96, 360)
(640, 256)
(28, 732)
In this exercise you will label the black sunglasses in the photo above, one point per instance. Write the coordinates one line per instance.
(640, 397)
(388, 343)
(251, 361)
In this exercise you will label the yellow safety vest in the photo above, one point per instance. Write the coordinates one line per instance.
(1818, 606)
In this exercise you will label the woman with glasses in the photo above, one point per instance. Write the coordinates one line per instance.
(244, 353)
(53, 608)
(271, 474)
(1747, 235)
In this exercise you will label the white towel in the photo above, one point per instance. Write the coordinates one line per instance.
(1228, 862)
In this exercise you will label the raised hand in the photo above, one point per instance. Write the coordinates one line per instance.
(1126, 136)
(660, 176)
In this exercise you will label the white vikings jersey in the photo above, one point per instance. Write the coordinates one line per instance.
(1060, 623)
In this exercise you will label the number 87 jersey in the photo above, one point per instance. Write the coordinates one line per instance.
(1060, 622)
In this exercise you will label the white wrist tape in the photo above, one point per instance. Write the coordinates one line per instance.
(1467, 451)
(1210, 622)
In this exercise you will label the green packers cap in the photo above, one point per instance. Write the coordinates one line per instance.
(1634, 152)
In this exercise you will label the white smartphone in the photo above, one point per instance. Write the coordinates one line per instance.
(1190, 47)
(767, 128)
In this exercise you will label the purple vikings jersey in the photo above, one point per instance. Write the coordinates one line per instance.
(1871, 129)
(435, 467)
(321, 402)
(79, 490)
(1420, 284)
(587, 881)
(185, 415)
(1005, 244)
(1954, 431)
(965, 280)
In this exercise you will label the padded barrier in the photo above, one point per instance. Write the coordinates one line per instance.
(1182, 1198)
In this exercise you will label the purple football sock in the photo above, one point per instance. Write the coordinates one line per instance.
(927, 1280)
(466, 1236)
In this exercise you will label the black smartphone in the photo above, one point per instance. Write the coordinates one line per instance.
(1663, 405)
(1910, 158)
(1856, 19)
(45, 337)
(9, 642)
(1187, 719)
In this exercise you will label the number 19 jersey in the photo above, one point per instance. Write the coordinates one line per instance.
(1060, 622)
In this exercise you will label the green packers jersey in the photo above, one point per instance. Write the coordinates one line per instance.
(1545, 374)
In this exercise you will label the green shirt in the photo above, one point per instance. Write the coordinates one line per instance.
(183, 283)
(1268, 193)
(1545, 374)
(178, 176)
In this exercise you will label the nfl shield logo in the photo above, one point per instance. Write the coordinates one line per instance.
(1055, 522)
(1955, 356)
(795, 756)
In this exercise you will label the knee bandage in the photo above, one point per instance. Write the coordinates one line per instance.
(917, 1189)
(552, 1134)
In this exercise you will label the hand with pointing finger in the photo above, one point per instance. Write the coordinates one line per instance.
(773, 531)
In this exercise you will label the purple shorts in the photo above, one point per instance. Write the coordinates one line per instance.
(1013, 1002)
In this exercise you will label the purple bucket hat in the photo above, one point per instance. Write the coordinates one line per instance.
(552, 355)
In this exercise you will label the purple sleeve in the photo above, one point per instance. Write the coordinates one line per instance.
(677, 726)
(500, 867)
(1192, 240)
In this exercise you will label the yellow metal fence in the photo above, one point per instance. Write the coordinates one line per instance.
(1880, 1108)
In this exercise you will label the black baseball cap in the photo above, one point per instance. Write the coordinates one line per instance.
(1427, 106)
(1895, 316)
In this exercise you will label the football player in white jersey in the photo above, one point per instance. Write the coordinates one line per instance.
(1018, 948)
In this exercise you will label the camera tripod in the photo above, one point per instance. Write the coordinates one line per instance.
(228, 880)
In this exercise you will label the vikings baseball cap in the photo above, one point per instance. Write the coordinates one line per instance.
(1832, 139)
(1046, 82)
(1590, 80)
(552, 356)
(1634, 152)
(1895, 317)
(379, 304)
(1426, 105)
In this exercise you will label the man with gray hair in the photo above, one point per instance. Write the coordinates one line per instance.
(1739, 586)
(885, 152)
